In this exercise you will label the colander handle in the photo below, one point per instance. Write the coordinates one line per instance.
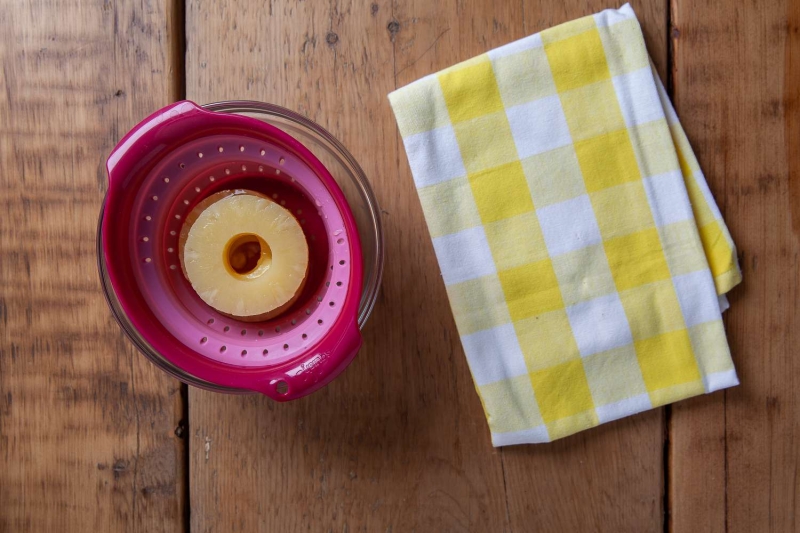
(142, 138)
(327, 361)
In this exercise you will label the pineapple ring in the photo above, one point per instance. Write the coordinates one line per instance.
(245, 255)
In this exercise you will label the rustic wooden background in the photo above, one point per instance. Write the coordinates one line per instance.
(95, 438)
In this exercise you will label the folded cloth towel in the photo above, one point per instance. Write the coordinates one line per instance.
(579, 243)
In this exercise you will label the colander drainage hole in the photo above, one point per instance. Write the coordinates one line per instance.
(294, 321)
(338, 283)
(244, 332)
(211, 178)
(200, 155)
(261, 333)
(241, 148)
(145, 239)
(319, 321)
(327, 283)
(282, 387)
(170, 249)
(308, 311)
(204, 340)
(265, 352)
(182, 165)
(177, 217)
(226, 328)
(197, 189)
(155, 198)
(222, 349)
(331, 304)
(210, 321)
(166, 180)
(305, 336)
(227, 171)
(173, 267)
(221, 149)
(147, 259)
(285, 346)
(281, 160)
(260, 168)
(244, 353)
(341, 262)
(263, 151)
(278, 329)
(173, 233)
(148, 218)
(340, 241)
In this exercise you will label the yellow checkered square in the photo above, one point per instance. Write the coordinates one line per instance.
(496, 398)
(562, 391)
(636, 259)
(652, 309)
(577, 61)
(570, 425)
(501, 192)
(540, 169)
(531, 289)
(711, 347)
(516, 241)
(720, 256)
(676, 393)
(614, 375)
(449, 207)
(471, 91)
(543, 340)
(702, 212)
(621, 56)
(523, 77)
(688, 161)
(682, 248)
(607, 160)
(592, 110)
(486, 142)
(667, 360)
(583, 274)
(416, 114)
(615, 222)
(648, 144)
(478, 304)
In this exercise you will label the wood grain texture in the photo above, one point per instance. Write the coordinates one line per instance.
(86, 424)
(399, 442)
(736, 81)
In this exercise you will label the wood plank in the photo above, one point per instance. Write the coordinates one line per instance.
(399, 442)
(87, 425)
(609, 478)
(736, 85)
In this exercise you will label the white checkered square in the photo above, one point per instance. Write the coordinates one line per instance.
(526, 436)
(464, 255)
(698, 297)
(637, 97)
(539, 126)
(666, 194)
(526, 43)
(437, 157)
(720, 380)
(569, 225)
(599, 325)
(494, 354)
(610, 17)
(623, 408)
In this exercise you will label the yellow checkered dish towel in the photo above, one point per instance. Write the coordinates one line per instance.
(580, 245)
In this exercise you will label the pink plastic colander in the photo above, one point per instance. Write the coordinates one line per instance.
(157, 174)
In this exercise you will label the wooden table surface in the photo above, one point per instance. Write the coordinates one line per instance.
(94, 438)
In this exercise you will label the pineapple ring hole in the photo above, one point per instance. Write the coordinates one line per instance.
(247, 256)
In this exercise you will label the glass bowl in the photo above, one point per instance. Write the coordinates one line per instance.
(353, 183)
